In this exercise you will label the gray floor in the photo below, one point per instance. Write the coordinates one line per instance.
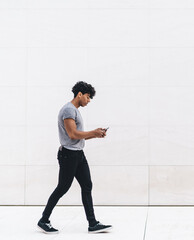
(128, 223)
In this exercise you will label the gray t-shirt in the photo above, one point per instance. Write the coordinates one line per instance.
(70, 111)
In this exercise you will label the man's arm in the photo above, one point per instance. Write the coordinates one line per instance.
(73, 133)
(93, 137)
(89, 138)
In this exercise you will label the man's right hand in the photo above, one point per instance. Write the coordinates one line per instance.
(99, 132)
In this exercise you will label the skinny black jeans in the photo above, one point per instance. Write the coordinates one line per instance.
(72, 164)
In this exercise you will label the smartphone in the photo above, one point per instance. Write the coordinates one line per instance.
(106, 129)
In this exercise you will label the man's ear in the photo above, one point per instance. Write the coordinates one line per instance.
(80, 94)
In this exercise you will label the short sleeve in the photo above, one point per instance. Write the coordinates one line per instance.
(69, 113)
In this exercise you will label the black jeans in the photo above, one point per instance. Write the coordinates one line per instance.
(72, 164)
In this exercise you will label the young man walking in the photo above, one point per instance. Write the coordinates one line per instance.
(71, 158)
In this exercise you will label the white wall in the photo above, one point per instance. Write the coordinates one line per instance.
(139, 56)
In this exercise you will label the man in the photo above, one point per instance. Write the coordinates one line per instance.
(71, 158)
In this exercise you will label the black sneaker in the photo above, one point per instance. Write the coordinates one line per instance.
(99, 227)
(46, 227)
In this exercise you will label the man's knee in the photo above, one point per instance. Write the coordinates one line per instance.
(61, 190)
(87, 187)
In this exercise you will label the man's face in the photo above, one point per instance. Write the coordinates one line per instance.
(84, 99)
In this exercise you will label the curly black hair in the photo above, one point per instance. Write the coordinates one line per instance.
(83, 87)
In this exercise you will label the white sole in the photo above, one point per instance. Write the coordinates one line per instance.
(47, 232)
(101, 230)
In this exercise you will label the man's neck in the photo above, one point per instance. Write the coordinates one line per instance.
(75, 103)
